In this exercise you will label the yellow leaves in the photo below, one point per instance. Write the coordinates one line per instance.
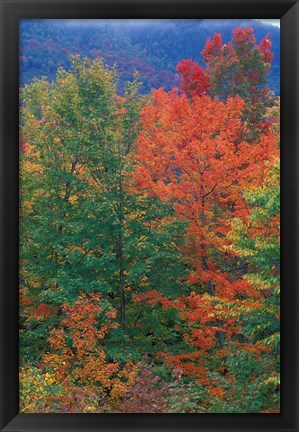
(48, 379)
(73, 199)
(124, 381)
(53, 362)
(91, 408)
(35, 388)
(118, 391)
(273, 380)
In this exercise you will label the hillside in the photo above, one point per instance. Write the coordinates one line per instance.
(46, 45)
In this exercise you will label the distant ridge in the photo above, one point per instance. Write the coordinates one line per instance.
(153, 47)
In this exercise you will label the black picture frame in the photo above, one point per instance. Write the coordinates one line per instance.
(11, 12)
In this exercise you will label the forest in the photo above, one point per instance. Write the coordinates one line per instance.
(149, 236)
(153, 47)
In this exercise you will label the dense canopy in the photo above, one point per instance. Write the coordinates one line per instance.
(149, 237)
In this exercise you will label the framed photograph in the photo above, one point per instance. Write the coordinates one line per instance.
(149, 203)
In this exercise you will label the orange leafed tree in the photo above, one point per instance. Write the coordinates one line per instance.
(77, 363)
(191, 154)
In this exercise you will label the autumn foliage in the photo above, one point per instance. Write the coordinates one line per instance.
(195, 82)
(150, 239)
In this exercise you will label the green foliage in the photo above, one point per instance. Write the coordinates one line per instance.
(259, 244)
(82, 228)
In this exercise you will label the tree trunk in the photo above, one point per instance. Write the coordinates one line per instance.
(120, 252)
(121, 279)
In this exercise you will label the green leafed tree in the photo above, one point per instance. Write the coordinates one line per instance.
(83, 228)
(257, 241)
